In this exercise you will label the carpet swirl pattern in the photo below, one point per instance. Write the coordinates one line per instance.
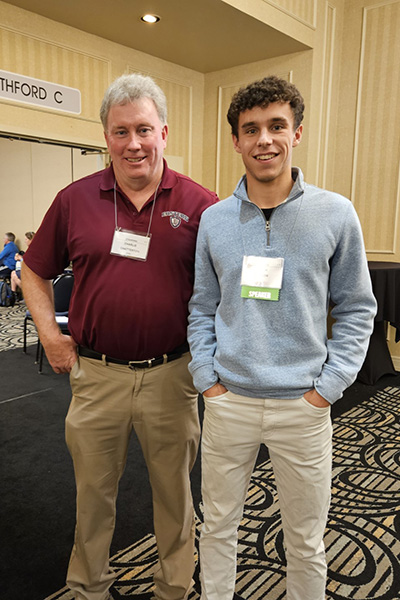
(12, 328)
(363, 531)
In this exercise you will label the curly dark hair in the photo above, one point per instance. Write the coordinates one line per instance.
(262, 93)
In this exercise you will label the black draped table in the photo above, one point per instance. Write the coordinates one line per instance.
(385, 277)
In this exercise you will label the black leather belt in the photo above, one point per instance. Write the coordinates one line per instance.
(136, 364)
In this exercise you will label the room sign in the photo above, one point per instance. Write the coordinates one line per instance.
(39, 93)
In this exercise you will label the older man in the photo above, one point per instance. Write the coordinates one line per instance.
(130, 232)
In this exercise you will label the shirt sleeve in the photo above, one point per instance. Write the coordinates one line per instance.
(47, 254)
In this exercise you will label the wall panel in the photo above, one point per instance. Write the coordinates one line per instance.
(325, 122)
(31, 174)
(302, 10)
(51, 171)
(376, 164)
(180, 110)
(229, 166)
(28, 55)
(16, 182)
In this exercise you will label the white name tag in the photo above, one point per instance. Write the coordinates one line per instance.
(261, 277)
(130, 244)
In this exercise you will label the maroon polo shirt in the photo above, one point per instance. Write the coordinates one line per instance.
(126, 308)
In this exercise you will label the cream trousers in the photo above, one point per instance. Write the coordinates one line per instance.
(299, 438)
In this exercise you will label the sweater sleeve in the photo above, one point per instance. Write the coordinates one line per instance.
(203, 307)
(354, 309)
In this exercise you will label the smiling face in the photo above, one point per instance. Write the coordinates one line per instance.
(136, 140)
(266, 138)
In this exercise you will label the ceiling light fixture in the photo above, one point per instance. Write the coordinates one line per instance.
(150, 18)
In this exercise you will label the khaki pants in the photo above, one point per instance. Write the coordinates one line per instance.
(160, 404)
(299, 439)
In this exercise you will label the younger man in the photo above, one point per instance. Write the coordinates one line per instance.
(270, 259)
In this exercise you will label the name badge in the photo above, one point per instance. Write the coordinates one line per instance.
(261, 277)
(130, 244)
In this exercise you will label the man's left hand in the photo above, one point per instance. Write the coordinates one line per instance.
(316, 399)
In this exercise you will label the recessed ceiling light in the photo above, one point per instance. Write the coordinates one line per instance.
(150, 18)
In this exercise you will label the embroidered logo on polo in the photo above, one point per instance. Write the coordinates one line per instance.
(175, 218)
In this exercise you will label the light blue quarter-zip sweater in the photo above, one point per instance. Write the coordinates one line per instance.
(280, 349)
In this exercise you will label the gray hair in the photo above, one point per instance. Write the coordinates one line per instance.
(129, 88)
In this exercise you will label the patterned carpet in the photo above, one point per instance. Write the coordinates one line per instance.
(363, 531)
(12, 328)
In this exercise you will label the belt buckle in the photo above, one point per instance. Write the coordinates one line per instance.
(133, 363)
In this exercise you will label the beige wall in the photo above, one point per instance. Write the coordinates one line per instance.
(30, 45)
(350, 81)
(370, 108)
(31, 175)
(366, 157)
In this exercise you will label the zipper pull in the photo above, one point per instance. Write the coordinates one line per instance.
(268, 230)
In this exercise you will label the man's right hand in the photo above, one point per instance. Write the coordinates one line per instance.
(216, 390)
(61, 353)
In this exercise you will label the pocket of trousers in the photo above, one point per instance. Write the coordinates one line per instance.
(73, 374)
(216, 398)
(322, 410)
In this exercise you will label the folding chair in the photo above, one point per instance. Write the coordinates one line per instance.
(62, 290)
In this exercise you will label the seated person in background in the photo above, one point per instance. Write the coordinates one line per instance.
(7, 255)
(16, 274)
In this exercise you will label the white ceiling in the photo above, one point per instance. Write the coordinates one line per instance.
(204, 35)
